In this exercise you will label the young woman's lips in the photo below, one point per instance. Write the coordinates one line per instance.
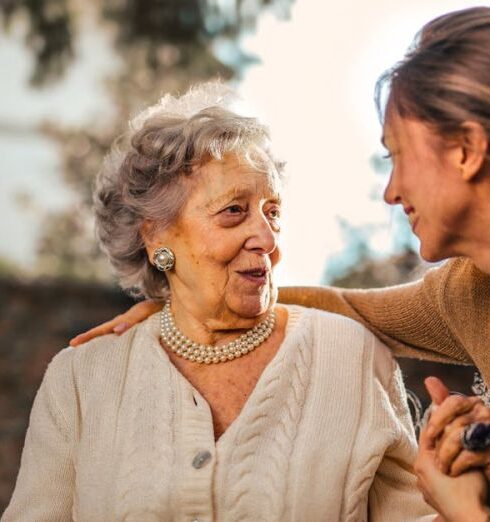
(413, 219)
(257, 276)
(414, 224)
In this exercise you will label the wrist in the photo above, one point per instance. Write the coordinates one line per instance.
(482, 515)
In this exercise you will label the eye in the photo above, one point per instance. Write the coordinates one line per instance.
(233, 210)
(274, 217)
(274, 213)
(232, 215)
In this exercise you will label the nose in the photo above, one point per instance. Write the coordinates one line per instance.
(262, 238)
(391, 194)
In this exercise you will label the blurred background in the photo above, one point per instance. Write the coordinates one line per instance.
(73, 72)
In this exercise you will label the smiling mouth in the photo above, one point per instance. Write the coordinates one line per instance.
(413, 220)
(412, 217)
(255, 275)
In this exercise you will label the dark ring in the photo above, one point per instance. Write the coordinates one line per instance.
(476, 436)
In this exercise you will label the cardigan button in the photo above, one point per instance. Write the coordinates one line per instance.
(201, 459)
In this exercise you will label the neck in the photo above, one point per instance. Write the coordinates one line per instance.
(217, 327)
(480, 255)
(474, 240)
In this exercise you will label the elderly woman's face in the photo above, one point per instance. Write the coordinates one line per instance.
(226, 240)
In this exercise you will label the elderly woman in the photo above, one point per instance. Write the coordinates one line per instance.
(441, 176)
(223, 405)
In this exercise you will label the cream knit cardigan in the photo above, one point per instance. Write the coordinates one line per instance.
(118, 434)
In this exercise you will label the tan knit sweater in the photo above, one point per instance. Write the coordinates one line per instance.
(443, 317)
(117, 433)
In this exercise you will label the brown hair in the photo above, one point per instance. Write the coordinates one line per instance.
(444, 78)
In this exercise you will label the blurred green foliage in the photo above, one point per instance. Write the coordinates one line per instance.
(190, 25)
(49, 35)
(164, 46)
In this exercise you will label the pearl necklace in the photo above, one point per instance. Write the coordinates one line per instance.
(207, 354)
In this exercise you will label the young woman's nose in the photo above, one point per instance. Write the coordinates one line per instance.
(391, 194)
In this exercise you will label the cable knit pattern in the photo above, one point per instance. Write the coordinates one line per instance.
(278, 400)
(118, 434)
(146, 420)
(378, 396)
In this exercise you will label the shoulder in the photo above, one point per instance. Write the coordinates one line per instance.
(346, 348)
(106, 349)
(323, 321)
(100, 360)
(337, 329)
(345, 341)
(460, 292)
(458, 275)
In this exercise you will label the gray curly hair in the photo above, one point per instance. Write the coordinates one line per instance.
(141, 179)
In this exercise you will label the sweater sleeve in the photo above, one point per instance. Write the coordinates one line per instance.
(422, 319)
(393, 494)
(45, 483)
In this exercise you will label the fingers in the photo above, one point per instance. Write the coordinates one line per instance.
(449, 445)
(451, 456)
(427, 474)
(120, 323)
(103, 329)
(141, 311)
(447, 411)
(424, 463)
(467, 460)
(426, 442)
(455, 498)
(437, 389)
(121, 328)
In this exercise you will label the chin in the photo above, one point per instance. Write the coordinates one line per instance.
(431, 254)
(251, 306)
(429, 257)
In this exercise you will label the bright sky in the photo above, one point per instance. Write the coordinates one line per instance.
(314, 87)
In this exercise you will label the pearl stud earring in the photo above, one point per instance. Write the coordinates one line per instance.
(163, 259)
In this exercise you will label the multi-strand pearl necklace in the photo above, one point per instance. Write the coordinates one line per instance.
(205, 353)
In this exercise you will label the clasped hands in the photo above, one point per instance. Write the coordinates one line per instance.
(452, 479)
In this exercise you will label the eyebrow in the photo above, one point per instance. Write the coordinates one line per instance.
(236, 194)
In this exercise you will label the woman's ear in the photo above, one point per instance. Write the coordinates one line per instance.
(148, 234)
(474, 149)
